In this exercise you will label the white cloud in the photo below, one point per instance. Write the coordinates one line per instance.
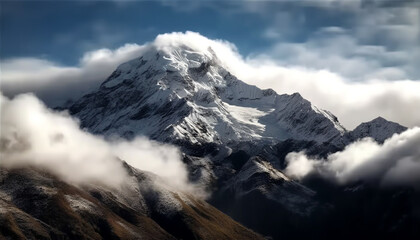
(33, 135)
(54, 83)
(395, 162)
(352, 101)
(161, 159)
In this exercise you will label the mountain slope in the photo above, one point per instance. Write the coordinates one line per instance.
(36, 205)
(259, 176)
(266, 200)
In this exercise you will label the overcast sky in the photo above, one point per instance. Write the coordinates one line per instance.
(358, 42)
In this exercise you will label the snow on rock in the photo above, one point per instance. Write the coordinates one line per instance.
(77, 203)
(255, 166)
(153, 192)
(167, 204)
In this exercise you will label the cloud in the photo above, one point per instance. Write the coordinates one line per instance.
(351, 101)
(33, 135)
(341, 54)
(396, 162)
(161, 159)
(56, 84)
(362, 66)
(372, 41)
(358, 40)
(358, 69)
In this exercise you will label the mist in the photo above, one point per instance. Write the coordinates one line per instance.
(396, 162)
(34, 135)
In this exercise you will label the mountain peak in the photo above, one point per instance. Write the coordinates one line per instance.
(379, 119)
(163, 59)
(379, 129)
(297, 95)
(381, 122)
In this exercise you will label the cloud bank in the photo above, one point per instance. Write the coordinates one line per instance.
(33, 135)
(56, 84)
(352, 101)
(394, 163)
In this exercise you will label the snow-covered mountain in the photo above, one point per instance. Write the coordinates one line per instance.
(185, 96)
(179, 94)
(234, 138)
